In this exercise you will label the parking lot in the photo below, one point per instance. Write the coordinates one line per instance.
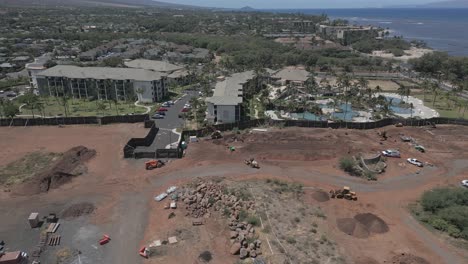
(170, 122)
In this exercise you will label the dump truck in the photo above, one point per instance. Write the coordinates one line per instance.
(153, 164)
(344, 193)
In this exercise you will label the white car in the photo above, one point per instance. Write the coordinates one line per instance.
(391, 153)
(160, 197)
(464, 183)
(415, 162)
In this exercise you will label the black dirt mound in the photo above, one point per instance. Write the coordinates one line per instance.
(362, 225)
(69, 165)
(320, 196)
(406, 258)
(78, 210)
(373, 223)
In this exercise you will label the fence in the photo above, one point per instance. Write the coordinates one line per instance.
(130, 148)
(54, 121)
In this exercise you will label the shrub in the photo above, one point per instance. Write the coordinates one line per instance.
(291, 240)
(347, 164)
(453, 231)
(253, 220)
(439, 224)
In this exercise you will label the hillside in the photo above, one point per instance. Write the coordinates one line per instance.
(109, 3)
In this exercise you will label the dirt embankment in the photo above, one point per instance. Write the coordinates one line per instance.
(69, 165)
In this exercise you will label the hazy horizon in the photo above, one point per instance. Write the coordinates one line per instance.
(293, 4)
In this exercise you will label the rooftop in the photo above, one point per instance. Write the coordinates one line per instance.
(159, 66)
(229, 91)
(101, 73)
(292, 74)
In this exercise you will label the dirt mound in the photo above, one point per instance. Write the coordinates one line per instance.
(406, 258)
(77, 210)
(69, 165)
(373, 223)
(320, 196)
(362, 225)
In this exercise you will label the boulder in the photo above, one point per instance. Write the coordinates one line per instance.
(253, 253)
(243, 253)
(235, 248)
(233, 234)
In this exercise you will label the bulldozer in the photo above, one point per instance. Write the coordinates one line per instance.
(153, 164)
(344, 193)
(252, 163)
(216, 135)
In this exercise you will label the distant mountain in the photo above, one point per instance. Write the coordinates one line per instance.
(247, 8)
(442, 4)
(449, 4)
(109, 3)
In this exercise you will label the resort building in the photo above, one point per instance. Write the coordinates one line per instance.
(296, 76)
(103, 83)
(345, 34)
(176, 74)
(225, 106)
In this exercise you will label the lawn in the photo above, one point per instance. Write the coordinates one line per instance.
(445, 107)
(81, 107)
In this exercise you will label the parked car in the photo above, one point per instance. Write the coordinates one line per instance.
(391, 153)
(415, 162)
(162, 109)
(161, 113)
(464, 183)
(187, 106)
(158, 116)
(170, 102)
(185, 110)
(166, 104)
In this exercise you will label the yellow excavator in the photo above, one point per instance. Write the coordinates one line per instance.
(344, 193)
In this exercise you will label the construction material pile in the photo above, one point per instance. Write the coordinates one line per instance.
(241, 233)
(206, 195)
(69, 165)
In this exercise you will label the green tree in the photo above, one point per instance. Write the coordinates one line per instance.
(31, 100)
(10, 109)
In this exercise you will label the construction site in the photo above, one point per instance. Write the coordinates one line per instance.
(261, 195)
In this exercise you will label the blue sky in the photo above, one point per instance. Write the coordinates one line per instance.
(299, 3)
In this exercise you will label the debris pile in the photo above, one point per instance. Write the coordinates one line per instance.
(207, 196)
(243, 239)
(69, 165)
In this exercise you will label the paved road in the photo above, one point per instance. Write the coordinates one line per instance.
(170, 122)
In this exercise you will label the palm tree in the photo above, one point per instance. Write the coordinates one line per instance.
(435, 92)
(426, 87)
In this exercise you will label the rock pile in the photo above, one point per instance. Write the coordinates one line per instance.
(243, 239)
(210, 195)
(207, 196)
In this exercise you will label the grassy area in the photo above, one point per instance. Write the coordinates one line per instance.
(26, 167)
(81, 107)
(445, 107)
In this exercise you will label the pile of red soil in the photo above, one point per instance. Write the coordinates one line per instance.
(362, 225)
(406, 258)
(78, 210)
(69, 165)
(320, 195)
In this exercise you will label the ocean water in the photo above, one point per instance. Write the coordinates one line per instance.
(442, 29)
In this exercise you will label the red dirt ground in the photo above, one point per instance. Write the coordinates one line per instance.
(309, 156)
